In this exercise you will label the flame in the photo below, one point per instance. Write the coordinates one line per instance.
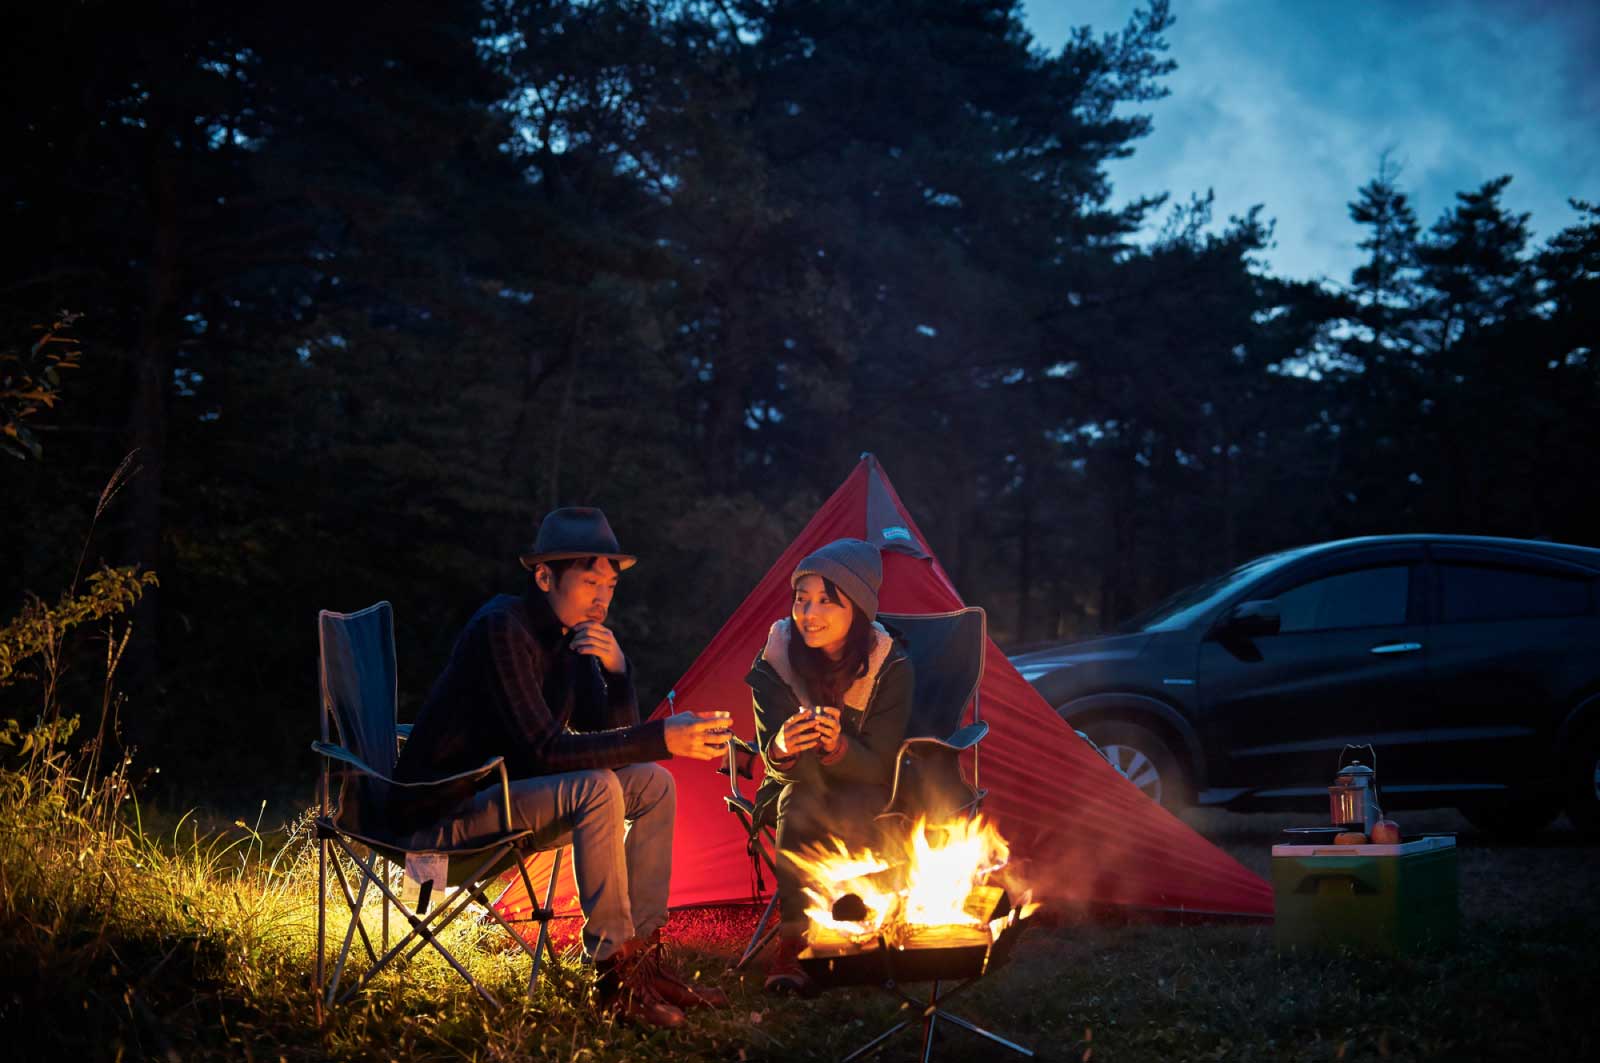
(926, 884)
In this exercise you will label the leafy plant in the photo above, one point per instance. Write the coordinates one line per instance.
(38, 630)
(30, 381)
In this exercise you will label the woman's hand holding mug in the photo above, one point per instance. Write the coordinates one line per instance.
(827, 718)
(798, 734)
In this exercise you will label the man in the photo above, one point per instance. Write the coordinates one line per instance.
(540, 680)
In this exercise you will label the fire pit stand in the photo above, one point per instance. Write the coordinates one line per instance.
(932, 1010)
(878, 963)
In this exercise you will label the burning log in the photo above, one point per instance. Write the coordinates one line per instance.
(986, 903)
(849, 909)
(928, 912)
(928, 884)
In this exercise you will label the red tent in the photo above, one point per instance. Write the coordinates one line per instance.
(1081, 833)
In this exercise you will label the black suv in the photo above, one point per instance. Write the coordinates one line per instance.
(1471, 665)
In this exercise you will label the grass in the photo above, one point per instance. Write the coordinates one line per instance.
(119, 940)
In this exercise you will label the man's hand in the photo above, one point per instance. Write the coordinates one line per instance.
(596, 640)
(827, 718)
(799, 733)
(701, 736)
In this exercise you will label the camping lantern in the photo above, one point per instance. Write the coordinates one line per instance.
(1353, 798)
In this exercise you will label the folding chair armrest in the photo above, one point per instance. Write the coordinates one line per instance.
(968, 736)
(402, 731)
(340, 753)
(505, 794)
(328, 749)
(738, 747)
(960, 741)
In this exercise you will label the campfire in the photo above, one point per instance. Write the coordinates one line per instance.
(929, 910)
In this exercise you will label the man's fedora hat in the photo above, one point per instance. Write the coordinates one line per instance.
(576, 531)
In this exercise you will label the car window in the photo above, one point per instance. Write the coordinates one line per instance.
(1368, 597)
(1182, 608)
(1487, 592)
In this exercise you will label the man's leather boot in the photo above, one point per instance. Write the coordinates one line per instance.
(626, 988)
(672, 985)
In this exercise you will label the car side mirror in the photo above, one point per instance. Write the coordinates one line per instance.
(1252, 620)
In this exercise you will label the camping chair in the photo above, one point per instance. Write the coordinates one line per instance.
(358, 710)
(759, 818)
(946, 651)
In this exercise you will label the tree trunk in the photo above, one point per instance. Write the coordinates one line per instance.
(557, 442)
(725, 412)
(1112, 591)
(151, 370)
(1230, 521)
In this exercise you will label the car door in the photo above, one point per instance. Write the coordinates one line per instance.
(1509, 642)
(1280, 708)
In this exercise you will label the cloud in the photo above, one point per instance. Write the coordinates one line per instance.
(1290, 106)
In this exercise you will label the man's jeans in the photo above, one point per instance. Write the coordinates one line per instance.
(619, 824)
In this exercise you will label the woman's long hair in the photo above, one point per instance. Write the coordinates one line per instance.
(825, 679)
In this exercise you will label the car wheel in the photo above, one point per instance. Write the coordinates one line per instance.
(1514, 819)
(1583, 785)
(1144, 759)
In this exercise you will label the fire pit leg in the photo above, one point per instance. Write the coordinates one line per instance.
(996, 1038)
(930, 1012)
(873, 1044)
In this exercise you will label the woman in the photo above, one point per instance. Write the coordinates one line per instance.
(832, 694)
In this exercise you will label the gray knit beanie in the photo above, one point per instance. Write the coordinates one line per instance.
(852, 565)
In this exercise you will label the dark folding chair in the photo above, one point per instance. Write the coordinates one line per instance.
(947, 651)
(759, 817)
(366, 818)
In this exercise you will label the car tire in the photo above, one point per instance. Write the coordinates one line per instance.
(1144, 759)
(1583, 785)
(1515, 819)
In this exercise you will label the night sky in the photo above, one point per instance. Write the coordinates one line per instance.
(1289, 104)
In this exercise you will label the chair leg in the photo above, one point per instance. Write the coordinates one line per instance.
(322, 909)
(541, 915)
(761, 934)
(467, 894)
(355, 921)
(544, 924)
(442, 915)
(350, 899)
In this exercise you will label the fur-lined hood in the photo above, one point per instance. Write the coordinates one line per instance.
(776, 654)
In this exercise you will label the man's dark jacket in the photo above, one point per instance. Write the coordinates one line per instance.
(514, 688)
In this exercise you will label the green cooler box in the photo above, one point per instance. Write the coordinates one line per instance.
(1395, 899)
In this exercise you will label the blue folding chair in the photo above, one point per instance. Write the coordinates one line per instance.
(370, 810)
